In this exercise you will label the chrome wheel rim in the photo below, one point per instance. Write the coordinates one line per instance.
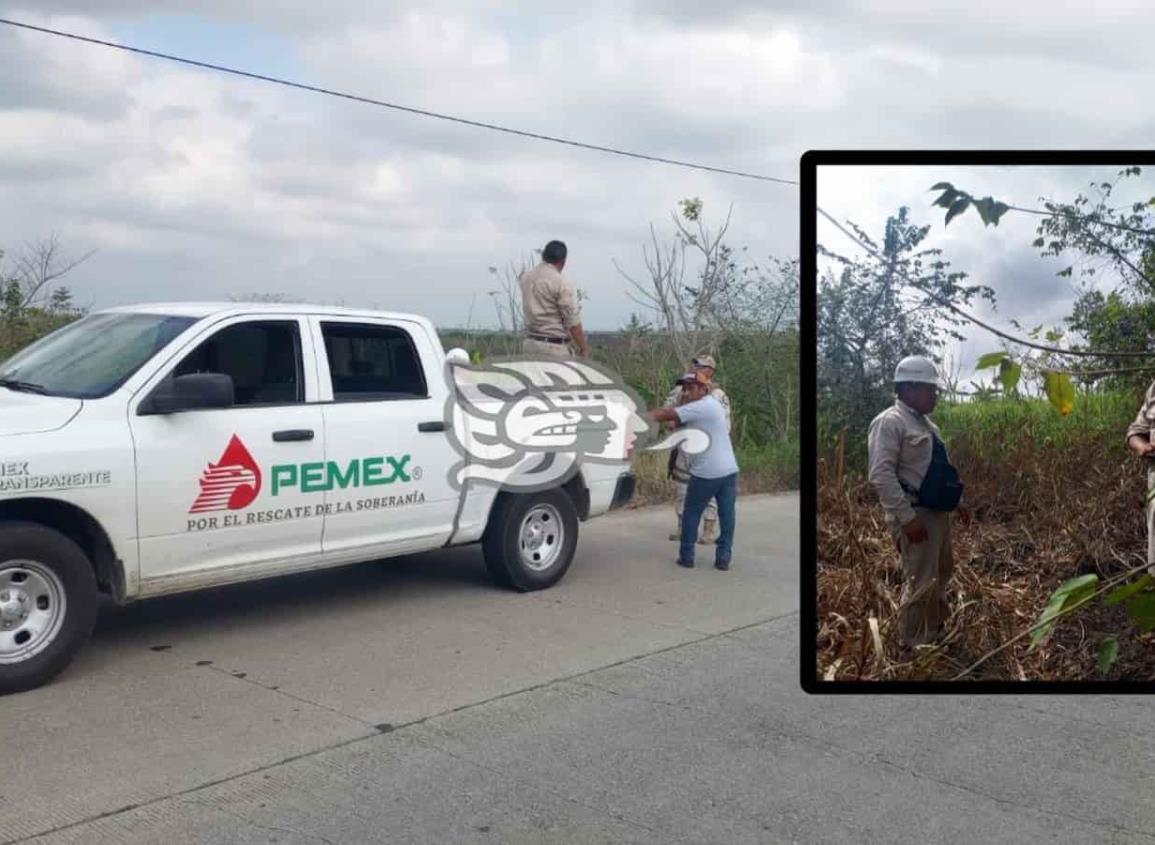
(540, 538)
(32, 609)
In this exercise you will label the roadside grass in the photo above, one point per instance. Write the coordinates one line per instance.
(761, 381)
(763, 468)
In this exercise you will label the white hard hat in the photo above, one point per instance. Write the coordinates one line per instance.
(916, 368)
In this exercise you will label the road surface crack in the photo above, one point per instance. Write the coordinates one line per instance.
(642, 699)
(192, 790)
(278, 691)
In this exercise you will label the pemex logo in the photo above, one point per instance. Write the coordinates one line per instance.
(232, 483)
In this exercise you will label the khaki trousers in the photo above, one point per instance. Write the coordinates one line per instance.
(926, 568)
(1151, 517)
(540, 347)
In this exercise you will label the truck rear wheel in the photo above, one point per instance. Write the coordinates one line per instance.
(531, 539)
(47, 604)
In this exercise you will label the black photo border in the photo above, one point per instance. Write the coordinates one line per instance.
(808, 611)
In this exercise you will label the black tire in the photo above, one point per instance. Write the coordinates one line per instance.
(502, 541)
(28, 541)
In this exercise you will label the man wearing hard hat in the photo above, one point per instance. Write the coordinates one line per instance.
(1141, 442)
(918, 489)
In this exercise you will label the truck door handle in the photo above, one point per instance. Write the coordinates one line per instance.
(435, 425)
(293, 434)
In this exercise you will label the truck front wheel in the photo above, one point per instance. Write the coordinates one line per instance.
(530, 541)
(47, 604)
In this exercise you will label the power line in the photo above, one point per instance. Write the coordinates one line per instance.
(971, 318)
(1072, 214)
(409, 109)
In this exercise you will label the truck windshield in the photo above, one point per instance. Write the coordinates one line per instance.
(91, 357)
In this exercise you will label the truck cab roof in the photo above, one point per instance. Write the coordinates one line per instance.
(200, 310)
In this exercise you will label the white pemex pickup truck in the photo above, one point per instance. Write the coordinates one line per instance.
(156, 449)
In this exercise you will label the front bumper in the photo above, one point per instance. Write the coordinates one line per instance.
(624, 491)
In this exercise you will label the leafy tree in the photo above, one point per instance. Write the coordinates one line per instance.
(1117, 322)
(876, 310)
(31, 303)
(1099, 233)
(1101, 237)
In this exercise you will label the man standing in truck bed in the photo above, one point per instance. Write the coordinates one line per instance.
(550, 305)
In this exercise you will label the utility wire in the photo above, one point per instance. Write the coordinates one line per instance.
(409, 109)
(1068, 213)
(973, 319)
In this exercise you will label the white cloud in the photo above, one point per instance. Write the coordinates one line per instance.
(194, 183)
(1027, 286)
(208, 169)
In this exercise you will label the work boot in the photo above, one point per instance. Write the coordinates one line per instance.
(709, 532)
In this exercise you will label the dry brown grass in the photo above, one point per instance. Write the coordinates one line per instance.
(1039, 519)
(654, 488)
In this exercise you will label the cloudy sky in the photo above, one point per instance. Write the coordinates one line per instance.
(191, 184)
(1001, 257)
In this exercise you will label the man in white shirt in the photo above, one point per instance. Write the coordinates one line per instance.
(713, 472)
(678, 468)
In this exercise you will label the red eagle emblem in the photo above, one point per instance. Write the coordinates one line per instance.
(231, 483)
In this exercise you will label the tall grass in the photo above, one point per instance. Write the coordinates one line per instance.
(759, 374)
(1052, 497)
(997, 429)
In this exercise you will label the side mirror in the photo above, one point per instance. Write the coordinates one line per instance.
(196, 391)
(457, 355)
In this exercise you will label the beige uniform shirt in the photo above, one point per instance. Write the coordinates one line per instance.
(549, 302)
(1144, 420)
(1143, 425)
(900, 445)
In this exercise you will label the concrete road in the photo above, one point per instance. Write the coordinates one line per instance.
(407, 701)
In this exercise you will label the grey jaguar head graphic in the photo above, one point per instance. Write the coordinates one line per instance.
(528, 424)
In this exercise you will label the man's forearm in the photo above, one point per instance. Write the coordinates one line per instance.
(579, 338)
(664, 415)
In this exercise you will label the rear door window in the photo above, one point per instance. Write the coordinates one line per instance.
(369, 362)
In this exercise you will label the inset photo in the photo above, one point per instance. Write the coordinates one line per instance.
(984, 382)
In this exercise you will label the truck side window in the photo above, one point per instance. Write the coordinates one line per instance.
(369, 362)
(263, 358)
